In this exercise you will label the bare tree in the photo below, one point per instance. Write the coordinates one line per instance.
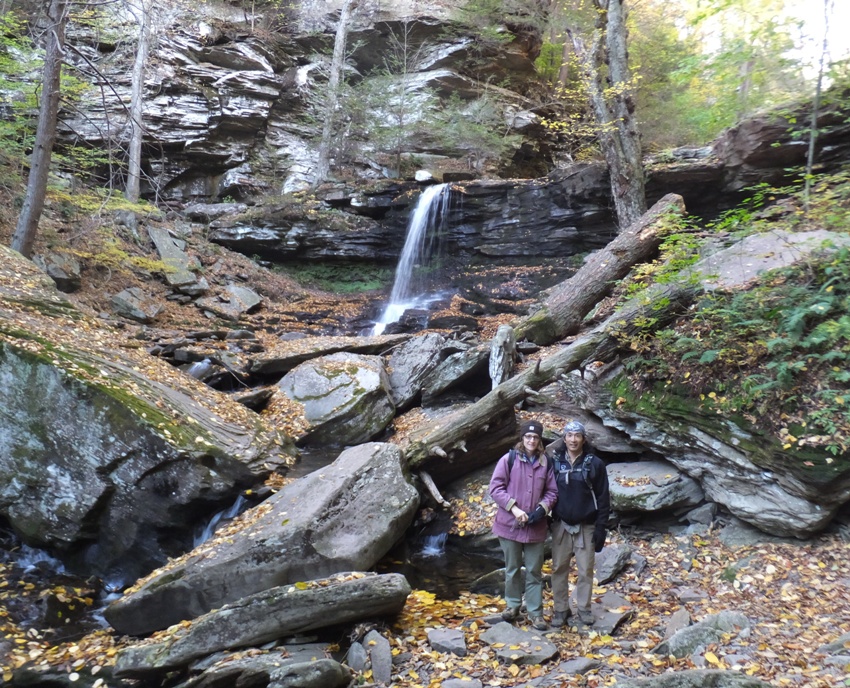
(605, 67)
(332, 101)
(27, 227)
(142, 13)
(813, 130)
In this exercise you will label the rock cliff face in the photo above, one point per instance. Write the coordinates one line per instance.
(234, 103)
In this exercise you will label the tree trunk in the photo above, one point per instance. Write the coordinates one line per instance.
(134, 164)
(332, 102)
(443, 444)
(614, 108)
(568, 302)
(813, 128)
(27, 227)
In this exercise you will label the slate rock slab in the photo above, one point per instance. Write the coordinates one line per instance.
(611, 561)
(380, 656)
(518, 646)
(840, 645)
(651, 486)
(611, 611)
(711, 629)
(267, 616)
(462, 683)
(448, 640)
(566, 670)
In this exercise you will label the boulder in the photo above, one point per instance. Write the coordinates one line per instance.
(609, 612)
(343, 517)
(380, 654)
(292, 351)
(341, 399)
(135, 304)
(267, 616)
(734, 466)
(323, 673)
(448, 640)
(518, 646)
(455, 370)
(709, 630)
(107, 453)
(235, 302)
(611, 561)
(63, 268)
(254, 668)
(651, 486)
(410, 363)
(565, 670)
(180, 273)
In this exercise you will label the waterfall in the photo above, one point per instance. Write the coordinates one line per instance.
(434, 545)
(423, 234)
(199, 369)
(30, 559)
(205, 533)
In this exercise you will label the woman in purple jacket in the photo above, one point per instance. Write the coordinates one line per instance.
(524, 489)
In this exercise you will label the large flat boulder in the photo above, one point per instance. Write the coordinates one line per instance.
(270, 615)
(651, 486)
(344, 517)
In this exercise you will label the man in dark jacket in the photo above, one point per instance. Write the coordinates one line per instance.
(580, 520)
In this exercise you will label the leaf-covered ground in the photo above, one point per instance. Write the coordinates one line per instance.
(796, 595)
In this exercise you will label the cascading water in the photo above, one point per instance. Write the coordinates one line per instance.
(434, 545)
(424, 231)
(205, 533)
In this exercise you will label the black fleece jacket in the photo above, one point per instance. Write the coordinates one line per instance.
(575, 501)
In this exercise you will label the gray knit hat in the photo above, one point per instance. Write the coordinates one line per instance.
(575, 426)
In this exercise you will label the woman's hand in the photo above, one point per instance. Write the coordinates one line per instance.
(519, 515)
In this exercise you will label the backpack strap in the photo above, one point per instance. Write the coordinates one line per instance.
(585, 471)
(544, 461)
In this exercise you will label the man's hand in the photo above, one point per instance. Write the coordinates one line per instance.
(599, 535)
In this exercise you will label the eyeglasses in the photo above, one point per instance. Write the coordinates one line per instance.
(531, 437)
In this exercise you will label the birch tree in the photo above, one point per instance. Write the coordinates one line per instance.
(332, 100)
(45, 136)
(141, 11)
(828, 6)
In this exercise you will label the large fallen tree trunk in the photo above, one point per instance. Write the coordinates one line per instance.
(444, 440)
(561, 314)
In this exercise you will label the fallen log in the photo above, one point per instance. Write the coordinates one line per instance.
(562, 312)
(452, 433)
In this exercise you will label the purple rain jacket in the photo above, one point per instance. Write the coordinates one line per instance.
(528, 486)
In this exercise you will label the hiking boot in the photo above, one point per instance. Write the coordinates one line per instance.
(539, 623)
(586, 617)
(560, 618)
(510, 614)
